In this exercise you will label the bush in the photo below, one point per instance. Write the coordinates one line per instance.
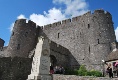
(70, 72)
(95, 73)
(83, 72)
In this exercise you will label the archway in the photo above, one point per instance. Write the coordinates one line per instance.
(53, 60)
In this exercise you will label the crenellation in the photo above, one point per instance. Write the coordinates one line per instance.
(63, 21)
(58, 23)
(31, 23)
(99, 11)
(88, 13)
(79, 18)
(47, 27)
(54, 24)
(19, 21)
(41, 27)
(66, 21)
(107, 13)
(75, 19)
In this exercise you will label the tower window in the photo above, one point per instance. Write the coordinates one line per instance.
(26, 34)
(98, 41)
(107, 17)
(58, 35)
(18, 47)
(88, 26)
(89, 48)
(108, 24)
(110, 48)
(80, 33)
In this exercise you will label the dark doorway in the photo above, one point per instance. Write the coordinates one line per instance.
(53, 60)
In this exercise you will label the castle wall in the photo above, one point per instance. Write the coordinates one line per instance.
(23, 39)
(2, 51)
(61, 54)
(15, 68)
(87, 37)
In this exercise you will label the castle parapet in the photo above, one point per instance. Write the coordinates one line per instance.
(99, 11)
(31, 23)
(74, 19)
(22, 21)
(66, 21)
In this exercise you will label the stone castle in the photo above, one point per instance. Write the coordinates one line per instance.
(82, 40)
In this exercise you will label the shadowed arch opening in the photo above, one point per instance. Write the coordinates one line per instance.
(53, 60)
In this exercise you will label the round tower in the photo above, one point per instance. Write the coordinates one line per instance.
(100, 37)
(23, 39)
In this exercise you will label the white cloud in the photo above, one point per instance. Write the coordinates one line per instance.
(53, 15)
(11, 27)
(72, 8)
(116, 33)
(21, 16)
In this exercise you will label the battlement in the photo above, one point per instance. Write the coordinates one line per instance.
(66, 21)
(52, 25)
(31, 23)
(101, 11)
(23, 21)
(78, 18)
(107, 13)
(56, 23)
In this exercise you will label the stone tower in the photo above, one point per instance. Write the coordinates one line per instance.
(88, 37)
(23, 39)
(1, 42)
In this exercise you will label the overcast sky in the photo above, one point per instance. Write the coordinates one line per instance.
(43, 12)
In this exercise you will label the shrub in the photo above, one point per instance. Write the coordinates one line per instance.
(83, 72)
(70, 72)
(95, 73)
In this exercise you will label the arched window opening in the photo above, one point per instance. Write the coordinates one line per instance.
(58, 35)
(18, 47)
(88, 26)
(26, 33)
(98, 41)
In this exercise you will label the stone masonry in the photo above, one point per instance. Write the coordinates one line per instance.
(84, 39)
(23, 39)
(88, 37)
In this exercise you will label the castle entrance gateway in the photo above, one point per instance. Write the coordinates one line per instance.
(41, 61)
(53, 60)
